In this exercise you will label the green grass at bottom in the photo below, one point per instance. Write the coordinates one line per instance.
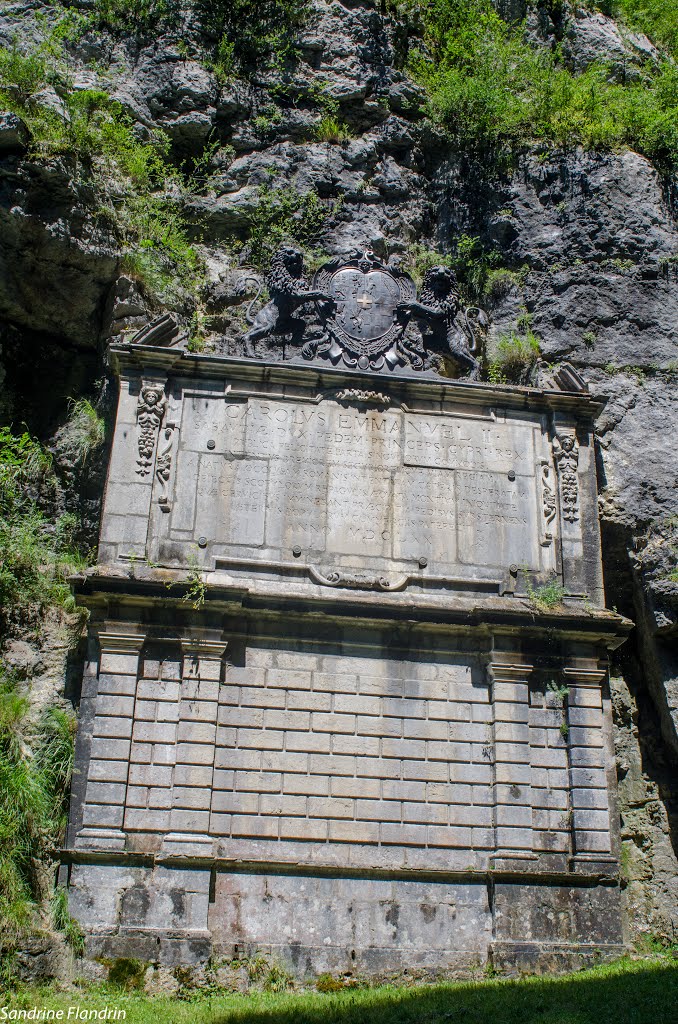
(625, 992)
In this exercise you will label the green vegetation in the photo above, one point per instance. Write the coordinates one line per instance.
(285, 215)
(133, 16)
(514, 358)
(36, 761)
(127, 973)
(490, 90)
(36, 555)
(658, 19)
(473, 263)
(140, 194)
(331, 129)
(61, 918)
(84, 431)
(545, 596)
(248, 37)
(626, 992)
(197, 589)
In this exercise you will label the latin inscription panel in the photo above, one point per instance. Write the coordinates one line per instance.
(360, 488)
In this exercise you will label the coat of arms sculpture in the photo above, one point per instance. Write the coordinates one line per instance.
(368, 315)
(366, 322)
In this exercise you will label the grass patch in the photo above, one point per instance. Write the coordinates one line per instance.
(514, 358)
(626, 992)
(83, 433)
(331, 129)
(139, 193)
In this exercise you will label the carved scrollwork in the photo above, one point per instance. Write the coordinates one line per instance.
(356, 580)
(151, 407)
(361, 397)
(566, 455)
(163, 465)
(548, 498)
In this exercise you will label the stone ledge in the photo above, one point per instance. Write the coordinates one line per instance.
(602, 873)
(550, 957)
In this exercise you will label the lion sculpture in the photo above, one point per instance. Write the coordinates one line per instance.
(288, 290)
(437, 309)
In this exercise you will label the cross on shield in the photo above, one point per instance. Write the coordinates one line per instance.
(366, 295)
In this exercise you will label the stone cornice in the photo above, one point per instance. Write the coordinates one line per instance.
(139, 359)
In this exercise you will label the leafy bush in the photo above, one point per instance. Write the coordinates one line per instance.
(326, 983)
(491, 90)
(283, 214)
(127, 973)
(139, 16)
(249, 36)
(36, 556)
(658, 19)
(545, 596)
(515, 356)
(471, 261)
(35, 770)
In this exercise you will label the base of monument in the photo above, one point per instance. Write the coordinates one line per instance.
(313, 922)
(550, 957)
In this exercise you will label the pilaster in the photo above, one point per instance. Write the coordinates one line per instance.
(105, 796)
(590, 799)
(509, 675)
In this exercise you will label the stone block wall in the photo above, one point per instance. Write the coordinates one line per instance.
(325, 713)
(311, 757)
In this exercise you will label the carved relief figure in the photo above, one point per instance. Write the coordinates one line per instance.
(288, 291)
(437, 309)
(566, 454)
(150, 411)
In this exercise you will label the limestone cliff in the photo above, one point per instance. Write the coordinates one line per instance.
(332, 142)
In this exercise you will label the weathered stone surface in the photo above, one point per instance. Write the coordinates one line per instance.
(399, 184)
(13, 134)
(416, 730)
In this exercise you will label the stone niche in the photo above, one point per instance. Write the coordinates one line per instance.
(329, 711)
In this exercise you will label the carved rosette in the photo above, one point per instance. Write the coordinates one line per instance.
(566, 455)
(151, 408)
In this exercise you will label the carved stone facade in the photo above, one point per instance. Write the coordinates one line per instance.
(150, 412)
(323, 713)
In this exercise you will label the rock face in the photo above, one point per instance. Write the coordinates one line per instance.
(592, 239)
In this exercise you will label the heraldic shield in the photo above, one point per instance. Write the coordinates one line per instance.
(364, 324)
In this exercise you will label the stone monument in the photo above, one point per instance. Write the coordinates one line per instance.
(345, 700)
